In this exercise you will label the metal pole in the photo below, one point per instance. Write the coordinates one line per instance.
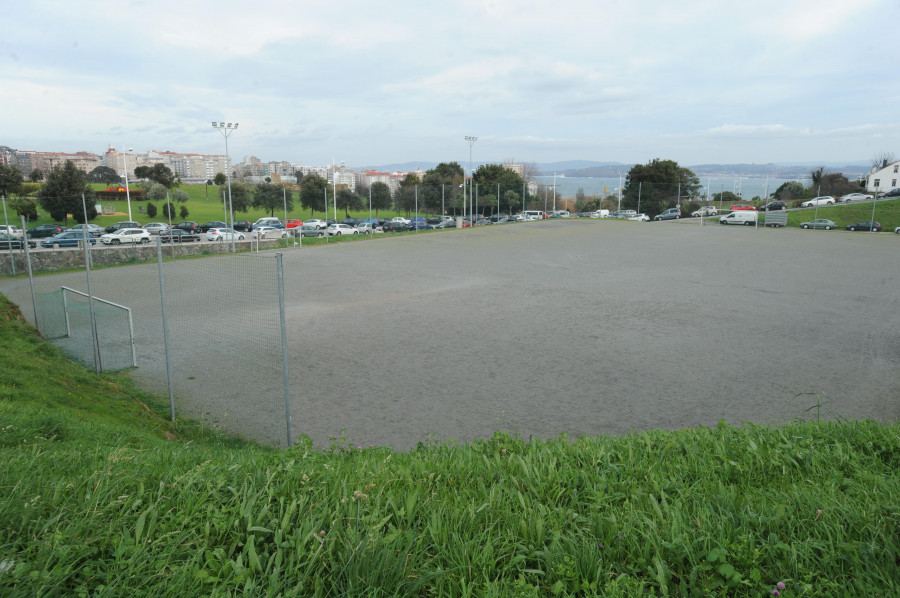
(334, 188)
(30, 274)
(127, 188)
(370, 207)
(416, 189)
(228, 173)
(165, 327)
(554, 192)
(98, 366)
(325, 189)
(284, 196)
(640, 186)
(872, 227)
(443, 209)
(12, 257)
(284, 352)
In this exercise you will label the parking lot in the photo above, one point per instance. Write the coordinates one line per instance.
(582, 327)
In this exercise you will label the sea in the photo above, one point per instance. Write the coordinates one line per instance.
(746, 188)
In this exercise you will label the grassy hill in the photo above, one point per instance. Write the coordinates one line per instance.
(101, 495)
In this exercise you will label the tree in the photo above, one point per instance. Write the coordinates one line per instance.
(180, 196)
(441, 185)
(61, 194)
(269, 196)
(183, 212)
(728, 197)
(142, 172)
(489, 176)
(103, 174)
(312, 193)
(10, 180)
(36, 175)
(658, 185)
(151, 210)
(381, 197)
(155, 192)
(220, 179)
(816, 175)
(348, 200)
(579, 196)
(24, 207)
(882, 159)
(241, 195)
(511, 199)
(161, 174)
(790, 190)
(835, 183)
(167, 210)
(405, 197)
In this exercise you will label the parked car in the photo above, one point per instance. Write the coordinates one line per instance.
(870, 225)
(223, 234)
(268, 221)
(855, 197)
(740, 206)
(67, 239)
(242, 225)
(189, 226)
(206, 226)
(395, 227)
(311, 230)
(11, 230)
(42, 231)
(320, 224)
(670, 214)
(365, 228)
(897, 230)
(178, 235)
(94, 229)
(120, 225)
(822, 200)
(640, 218)
(400, 219)
(822, 223)
(126, 235)
(8, 242)
(293, 223)
(705, 211)
(339, 228)
(351, 221)
(773, 205)
(266, 231)
(154, 228)
(891, 193)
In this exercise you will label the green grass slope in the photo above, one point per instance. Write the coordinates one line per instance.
(101, 496)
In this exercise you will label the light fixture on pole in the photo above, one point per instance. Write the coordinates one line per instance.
(471, 141)
(125, 174)
(226, 130)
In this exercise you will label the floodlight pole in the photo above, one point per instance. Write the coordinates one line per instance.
(471, 140)
(127, 189)
(226, 130)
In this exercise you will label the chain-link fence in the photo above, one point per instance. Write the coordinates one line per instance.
(207, 332)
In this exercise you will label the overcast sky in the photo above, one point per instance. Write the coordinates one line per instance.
(375, 83)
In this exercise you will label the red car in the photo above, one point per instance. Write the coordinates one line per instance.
(293, 223)
(742, 207)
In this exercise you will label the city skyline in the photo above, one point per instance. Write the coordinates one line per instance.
(543, 82)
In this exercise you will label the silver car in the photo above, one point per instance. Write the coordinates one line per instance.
(223, 234)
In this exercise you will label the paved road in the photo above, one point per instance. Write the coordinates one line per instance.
(582, 327)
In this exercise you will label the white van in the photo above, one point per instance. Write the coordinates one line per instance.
(746, 217)
(533, 214)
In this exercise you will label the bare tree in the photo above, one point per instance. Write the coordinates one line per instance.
(882, 159)
(531, 171)
(817, 174)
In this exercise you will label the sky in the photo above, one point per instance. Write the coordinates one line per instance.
(366, 83)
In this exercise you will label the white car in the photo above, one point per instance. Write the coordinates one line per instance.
(897, 230)
(11, 230)
(264, 232)
(640, 218)
(365, 228)
(338, 229)
(154, 228)
(126, 235)
(822, 200)
(401, 219)
(315, 222)
(223, 234)
(855, 197)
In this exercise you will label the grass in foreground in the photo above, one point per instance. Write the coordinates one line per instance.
(100, 495)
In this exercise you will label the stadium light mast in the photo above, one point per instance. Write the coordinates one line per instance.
(226, 130)
(125, 174)
(471, 141)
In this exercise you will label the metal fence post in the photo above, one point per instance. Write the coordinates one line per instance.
(284, 355)
(162, 298)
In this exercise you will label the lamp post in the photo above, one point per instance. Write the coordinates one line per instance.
(125, 174)
(554, 192)
(471, 140)
(226, 130)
